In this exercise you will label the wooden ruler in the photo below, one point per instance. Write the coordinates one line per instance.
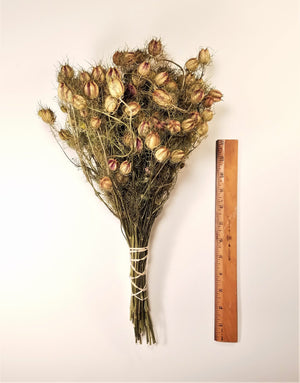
(225, 241)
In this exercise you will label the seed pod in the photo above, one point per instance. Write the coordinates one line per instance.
(47, 116)
(66, 71)
(84, 113)
(68, 95)
(117, 58)
(202, 129)
(155, 47)
(144, 69)
(208, 102)
(98, 74)
(112, 73)
(64, 135)
(130, 91)
(197, 96)
(79, 102)
(162, 98)
(161, 78)
(152, 140)
(204, 56)
(192, 64)
(162, 154)
(158, 124)
(177, 156)
(116, 88)
(84, 77)
(139, 144)
(215, 94)
(190, 79)
(105, 183)
(61, 91)
(111, 104)
(171, 86)
(112, 164)
(128, 140)
(173, 126)
(128, 59)
(207, 115)
(132, 108)
(188, 125)
(125, 168)
(196, 116)
(137, 80)
(91, 89)
(144, 128)
(121, 179)
(95, 122)
(63, 109)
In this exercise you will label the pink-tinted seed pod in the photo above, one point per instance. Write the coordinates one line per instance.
(162, 98)
(61, 90)
(139, 144)
(215, 94)
(105, 183)
(144, 68)
(95, 122)
(188, 125)
(195, 116)
(130, 91)
(177, 156)
(192, 64)
(98, 74)
(125, 168)
(144, 128)
(91, 89)
(208, 102)
(117, 58)
(66, 71)
(116, 88)
(155, 47)
(132, 108)
(152, 140)
(204, 56)
(111, 104)
(112, 73)
(173, 126)
(112, 164)
(84, 77)
(79, 102)
(197, 95)
(161, 78)
(162, 154)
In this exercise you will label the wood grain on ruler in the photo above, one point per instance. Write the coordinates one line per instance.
(226, 242)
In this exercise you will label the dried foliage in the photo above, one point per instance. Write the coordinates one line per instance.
(132, 127)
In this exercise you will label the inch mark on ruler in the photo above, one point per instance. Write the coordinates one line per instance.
(225, 241)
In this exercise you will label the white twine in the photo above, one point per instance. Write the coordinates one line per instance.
(139, 274)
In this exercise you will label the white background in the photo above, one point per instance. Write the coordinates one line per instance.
(64, 263)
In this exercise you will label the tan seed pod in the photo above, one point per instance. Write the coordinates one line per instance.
(144, 128)
(117, 58)
(98, 74)
(144, 69)
(162, 98)
(190, 79)
(207, 115)
(128, 59)
(84, 77)
(61, 91)
(132, 108)
(111, 104)
(162, 154)
(188, 125)
(66, 71)
(155, 47)
(204, 56)
(125, 168)
(47, 116)
(161, 78)
(65, 135)
(105, 183)
(192, 64)
(137, 80)
(91, 89)
(177, 156)
(173, 126)
(171, 86)
(197, 96)
(112, 164)
(128, 140)
(68, 96)
(95, 122)
(79, 102)
(215, 94)
(121, 179)
(202, 129)
(116, 88)
(152, 140)
(195, 116)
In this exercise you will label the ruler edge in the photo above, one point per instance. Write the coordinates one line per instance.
(236, 142)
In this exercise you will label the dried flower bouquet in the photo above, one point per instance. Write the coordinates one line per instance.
(132, 127)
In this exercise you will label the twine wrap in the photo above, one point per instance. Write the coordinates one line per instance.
(138, 274)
